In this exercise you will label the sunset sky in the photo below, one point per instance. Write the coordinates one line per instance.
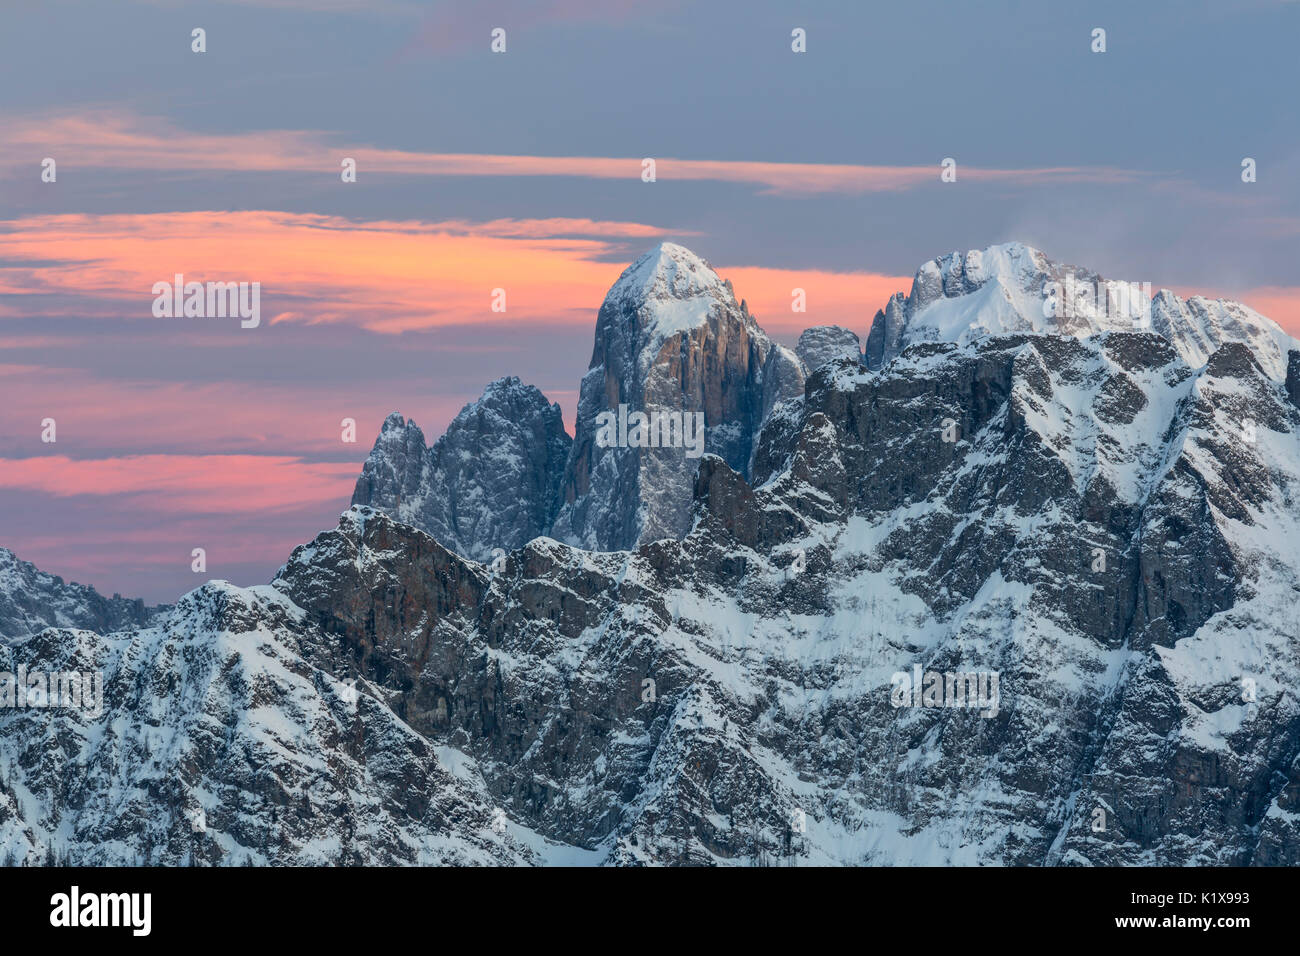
(522, 171)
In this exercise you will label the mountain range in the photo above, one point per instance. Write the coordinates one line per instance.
(522, 647)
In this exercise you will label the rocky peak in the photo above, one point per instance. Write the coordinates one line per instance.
(668, 271)
(1013, 264)
(1200, 326)
(885, 338)
(667, 291)
(32, 600)
(490, 481)
(395, 467)
(822, 343)
(670, 339)
(1013, 289)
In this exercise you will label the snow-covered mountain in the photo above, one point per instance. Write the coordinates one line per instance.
(1013, 288)
(32, 600)
(1100, 529)
(670, 338)
(221, 741)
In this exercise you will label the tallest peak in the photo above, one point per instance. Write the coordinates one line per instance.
(666, 248)
(671, 252)
(667, 271)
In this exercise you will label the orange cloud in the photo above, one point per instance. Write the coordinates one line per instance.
(123, 140)
(387, 277)
(849, 299)
(384, 276)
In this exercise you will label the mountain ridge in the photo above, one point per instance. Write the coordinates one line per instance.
(1105, 527)
(1014, 287)
(670, 295)
(32, 599)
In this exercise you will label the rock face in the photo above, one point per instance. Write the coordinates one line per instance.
(490, 481)
(220, 742)
(32, 600)
(885, 337)
(1293, 377)
(1106, 529)
(1014, 288)
(820, 344)
(1200, 326)
(671, 338)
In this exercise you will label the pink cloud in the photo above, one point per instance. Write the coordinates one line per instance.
(96, 417)
(189, 484)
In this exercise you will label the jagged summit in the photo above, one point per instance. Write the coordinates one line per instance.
(667, 271)
(1007, 288)
(667, 290)
(822, 343)
(1198, 326)
(1013, 288)
(490, 481)
(32, 600)
(670, 337)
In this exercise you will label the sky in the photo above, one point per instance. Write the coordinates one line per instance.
(522, 170)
